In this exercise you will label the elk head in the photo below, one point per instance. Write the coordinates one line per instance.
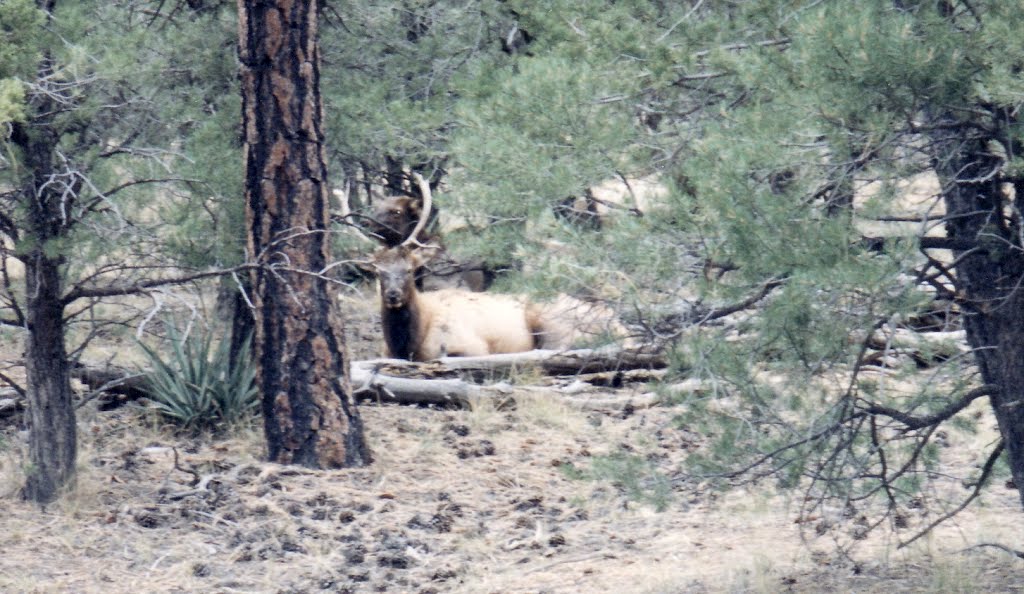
(401, 219)
(396, 270)
(393, 219)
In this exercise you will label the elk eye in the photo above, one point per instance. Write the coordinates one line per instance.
(396, 212)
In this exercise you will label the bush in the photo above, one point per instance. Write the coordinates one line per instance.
(198, 387)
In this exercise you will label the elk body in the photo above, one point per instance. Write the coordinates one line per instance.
(420, 326)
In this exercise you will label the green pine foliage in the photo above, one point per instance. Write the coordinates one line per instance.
(20, 50)
(853, 80)
(763, 120)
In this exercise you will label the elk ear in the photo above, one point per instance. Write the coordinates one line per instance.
(422, 255)
(366, 266)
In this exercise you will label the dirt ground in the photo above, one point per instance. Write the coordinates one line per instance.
(489, 500)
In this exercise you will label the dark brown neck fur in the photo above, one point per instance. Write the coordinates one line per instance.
(401, 330)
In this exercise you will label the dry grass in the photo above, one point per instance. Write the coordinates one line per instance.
(457, 501)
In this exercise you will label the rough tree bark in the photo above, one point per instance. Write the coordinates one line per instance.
(309, 413)
(51, 414)
(52, 438)
(989, 271)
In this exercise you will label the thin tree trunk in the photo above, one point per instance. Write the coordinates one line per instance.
(309, 413)
(52, 446)
(52, 439)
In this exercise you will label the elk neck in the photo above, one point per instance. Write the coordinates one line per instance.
(402, 329)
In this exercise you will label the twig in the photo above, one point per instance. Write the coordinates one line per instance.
(986, 471)
(142, 286)
(195, 475)
(995, 545)
(579, 559)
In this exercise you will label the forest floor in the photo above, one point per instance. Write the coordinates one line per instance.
(537, 498)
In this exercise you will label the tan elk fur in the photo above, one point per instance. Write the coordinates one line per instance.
(568, 322)
(449, 322)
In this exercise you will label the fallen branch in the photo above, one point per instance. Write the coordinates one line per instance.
(368, 384)
(615, 403)
(546, 361)
(9, 406)
(995, 545)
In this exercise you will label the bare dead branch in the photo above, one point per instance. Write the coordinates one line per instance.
(986, 472)
(994, 545)
(145, 285)
(177, 466)
(14, 385)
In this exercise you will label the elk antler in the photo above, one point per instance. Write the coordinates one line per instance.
(425, 214)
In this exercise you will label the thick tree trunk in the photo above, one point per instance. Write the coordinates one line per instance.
(310, 415)
(990, 278)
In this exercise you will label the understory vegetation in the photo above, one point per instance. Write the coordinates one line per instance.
(199, 386)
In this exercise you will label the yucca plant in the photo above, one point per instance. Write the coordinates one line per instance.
(198, 387)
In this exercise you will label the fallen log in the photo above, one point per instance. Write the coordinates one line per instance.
(115, 385)
(369, 384)
(547, 362)
(925, 349)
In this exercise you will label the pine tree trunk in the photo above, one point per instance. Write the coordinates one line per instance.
(51, 413)
(52, 439)
(990, 277)
(309, 413)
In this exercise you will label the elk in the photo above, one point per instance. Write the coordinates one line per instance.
(421, 326)
(393, 219)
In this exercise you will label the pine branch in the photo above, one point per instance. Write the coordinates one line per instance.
(721, 312)
(949, 411)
